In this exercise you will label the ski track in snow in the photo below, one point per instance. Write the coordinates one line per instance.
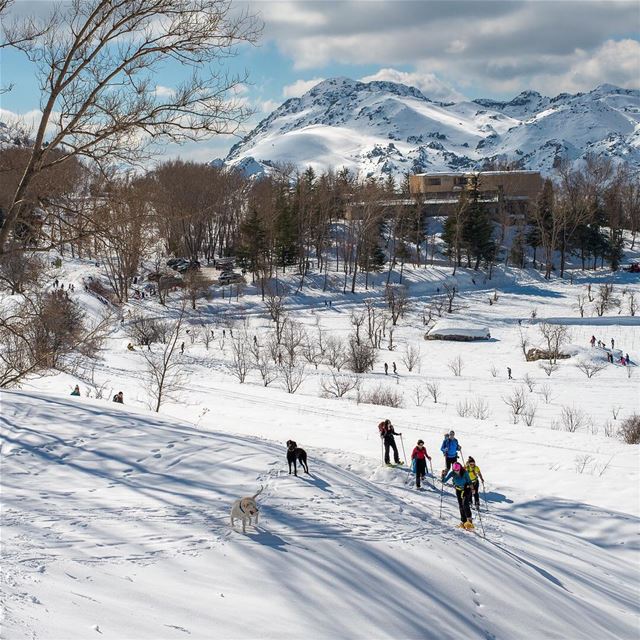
(100, 499)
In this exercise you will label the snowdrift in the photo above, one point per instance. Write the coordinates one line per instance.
(458, 330)
(115, 524)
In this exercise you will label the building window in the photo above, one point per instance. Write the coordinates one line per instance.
(434, 181)
(460, 181)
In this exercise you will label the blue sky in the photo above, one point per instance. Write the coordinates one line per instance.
(449, 49)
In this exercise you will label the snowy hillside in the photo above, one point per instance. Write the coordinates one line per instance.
(115, 525)
(380, 128)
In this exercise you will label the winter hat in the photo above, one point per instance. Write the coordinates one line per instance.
(457, 467)
(420, 441)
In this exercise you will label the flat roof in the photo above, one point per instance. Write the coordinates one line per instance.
(468, 173)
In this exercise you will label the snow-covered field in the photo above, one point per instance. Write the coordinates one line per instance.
(115, 519)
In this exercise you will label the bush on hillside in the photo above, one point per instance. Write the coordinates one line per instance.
(630, 429)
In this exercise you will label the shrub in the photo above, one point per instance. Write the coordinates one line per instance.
(629, 430)
(381, 396)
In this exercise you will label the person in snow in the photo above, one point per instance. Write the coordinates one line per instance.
(395, 369)
(613, 344)
(476, 477)
(450, 448)
(592, 341)
(509, 373)
(387, 433)
(386, 369)
(462, 484)
(420, 456)
(76, 391)
(119, 397)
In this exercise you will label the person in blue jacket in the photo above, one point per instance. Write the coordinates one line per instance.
(450, 448)
(462, 484)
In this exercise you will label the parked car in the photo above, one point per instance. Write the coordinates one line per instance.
(229, 277)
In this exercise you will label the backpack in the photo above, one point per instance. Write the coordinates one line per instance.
(382, 428)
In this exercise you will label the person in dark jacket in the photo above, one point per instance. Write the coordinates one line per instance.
(119, 397)
(387, 433)
(76, 391)
(462, 484)
(450, 448)
(420, 456)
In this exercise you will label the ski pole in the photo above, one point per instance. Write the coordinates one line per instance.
(404, 453)
(382, 450)
(433, 480)
(484, 535)
(484, 495)
(441, 493)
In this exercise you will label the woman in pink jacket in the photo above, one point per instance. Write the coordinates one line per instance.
(420, 456)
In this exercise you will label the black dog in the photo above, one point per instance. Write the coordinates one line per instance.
(296, 454)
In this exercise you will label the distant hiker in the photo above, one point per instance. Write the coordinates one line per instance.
(593, 341)
(387, 433)
(462, 484)
(182, 348)
(224, 334)
(255, 339)
(613, 343)
(600, 343)
(55, 283)
(386, 369)
(623, 362)
(509, 373)
(62, 289)
(119, 398)
(476, 477)
(420, 456)
(626, 357)
(76, 391)
(330, 304)
(395, 369)
(450, 448)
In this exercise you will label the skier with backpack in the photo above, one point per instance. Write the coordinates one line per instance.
(387, 433)
(420, 457)
(476, 477)
(450, 448)
(462, 484)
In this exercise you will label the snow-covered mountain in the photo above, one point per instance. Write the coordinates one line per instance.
(379, 128)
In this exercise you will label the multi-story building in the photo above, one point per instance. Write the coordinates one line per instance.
(439, 193)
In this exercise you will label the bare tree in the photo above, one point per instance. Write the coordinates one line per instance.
(274, 302)
(516, 402)
(40, 332)
(337, 385)
(433, 389)
(360, 356)
(573, 419)
(529, 381)
(450, 292)
(555, 335)
(604, 299)
(293, 338)
(529, 413)
(265, 367)
(163, 367)
(590, 369)
(581, 301)
(633, 305)
(336, 353)
(292, 374)
(19, 271)
(546, 393)
(548, 368)
(397, 301)
(456, 365)
(411, 357)
(240, 356)
(96, 66)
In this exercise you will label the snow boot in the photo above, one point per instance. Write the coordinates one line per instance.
(468, 525)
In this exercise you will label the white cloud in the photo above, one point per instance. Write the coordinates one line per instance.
(300, 87)
(428, 83)
(291, 13)
(267, 106)
(492, 47)
(164, 92)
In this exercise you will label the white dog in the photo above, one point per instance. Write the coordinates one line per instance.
(245, 509)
